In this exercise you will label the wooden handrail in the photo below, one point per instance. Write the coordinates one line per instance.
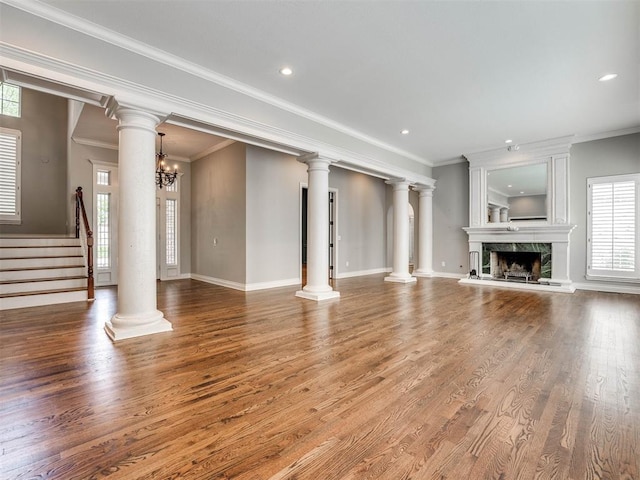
(80, 209)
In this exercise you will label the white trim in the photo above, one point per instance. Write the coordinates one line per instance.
(528, 153)
(451, 161)
(607, 287)
(610, 134)
(218, 281)
(215, 148)
(246, 287)
(274, 284)
(209, 119)
(103, 34)
(457, 276)
(362, 273)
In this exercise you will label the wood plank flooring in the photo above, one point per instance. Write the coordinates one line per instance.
(426, 381)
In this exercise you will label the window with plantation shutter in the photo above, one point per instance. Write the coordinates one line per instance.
(613, 227)
(10, 178)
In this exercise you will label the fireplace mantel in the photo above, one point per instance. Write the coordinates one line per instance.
(555, 230)
(511, 233)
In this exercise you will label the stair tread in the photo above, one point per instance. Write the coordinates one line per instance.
(42, 292)
(19, 269)
(51, 279)
(59, 245)
(43, 256)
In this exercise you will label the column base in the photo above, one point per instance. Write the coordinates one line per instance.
(423, 273)
(121, 328)
(318, 296)
(400, 278)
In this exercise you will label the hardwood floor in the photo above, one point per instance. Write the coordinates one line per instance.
(393, 381)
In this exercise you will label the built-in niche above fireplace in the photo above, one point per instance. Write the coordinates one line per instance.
(545, 232)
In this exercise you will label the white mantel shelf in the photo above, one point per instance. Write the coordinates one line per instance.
(518, 233)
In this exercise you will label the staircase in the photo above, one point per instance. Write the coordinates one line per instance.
(41, 271)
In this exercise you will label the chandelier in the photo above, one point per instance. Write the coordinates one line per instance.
(164, 177)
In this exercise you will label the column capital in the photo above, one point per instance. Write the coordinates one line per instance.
(134, 116)
(315, 157)
(399, 183)
(424, 190)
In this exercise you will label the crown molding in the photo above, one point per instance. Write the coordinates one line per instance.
(98, 32)
(210, 119)
(603, 135)
(213, 149)
(87, 142)
(523, 154)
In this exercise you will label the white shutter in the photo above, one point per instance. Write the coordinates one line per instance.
(10, 178)
(613, 226)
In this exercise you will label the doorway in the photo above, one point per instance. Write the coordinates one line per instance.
(332, 206)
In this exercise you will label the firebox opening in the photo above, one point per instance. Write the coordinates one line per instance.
(516, 266)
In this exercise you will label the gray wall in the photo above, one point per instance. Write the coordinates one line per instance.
(450, 214)
(529, 206)
(361, 221)
(81, 175)
(610, 156)
(44, 164)
(273, 215)
(218, 206)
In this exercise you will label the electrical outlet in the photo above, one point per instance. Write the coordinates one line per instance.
(444, 264)
(346, 264)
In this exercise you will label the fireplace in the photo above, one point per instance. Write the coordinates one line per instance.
(516, 266)
(535, 253)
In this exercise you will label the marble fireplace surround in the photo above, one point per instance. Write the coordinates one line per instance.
(555, 230)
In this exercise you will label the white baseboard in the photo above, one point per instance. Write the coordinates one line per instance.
(607, 287)
(361, 273)
(457, 276)
(182, 276)
(246, 287)
(218, 281)
(275, 284)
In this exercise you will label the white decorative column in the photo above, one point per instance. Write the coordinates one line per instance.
(137, 312)
(317, 287)
(400, 271)
(504, 214)
(425, 231)
(495, 214)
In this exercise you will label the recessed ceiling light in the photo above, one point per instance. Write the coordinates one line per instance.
(509, 186)
(508, 141)
(286, 71)
(405, 132)
(521, 192)
(607, 77)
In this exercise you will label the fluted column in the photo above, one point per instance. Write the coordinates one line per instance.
(425, 231)
(504, 214)
(317, 287)
(400, 271)
(137, 312)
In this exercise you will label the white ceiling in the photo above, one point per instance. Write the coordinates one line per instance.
(461, 76)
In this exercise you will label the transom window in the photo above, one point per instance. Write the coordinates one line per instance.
(10, 100)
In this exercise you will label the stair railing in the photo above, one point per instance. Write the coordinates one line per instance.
(89, 241)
